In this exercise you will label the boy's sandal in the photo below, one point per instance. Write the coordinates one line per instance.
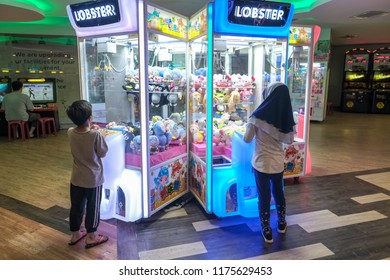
(100, 240)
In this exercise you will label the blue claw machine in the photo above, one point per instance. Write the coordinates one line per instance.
(132, 69)
(236, 49)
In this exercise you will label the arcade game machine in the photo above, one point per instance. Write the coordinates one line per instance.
(380, 82)
(233, 58)
(5, 87)
(132, 56)
(302, 41)
(357, 95)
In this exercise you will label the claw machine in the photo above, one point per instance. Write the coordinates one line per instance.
(302, 40)
(357, 95)
(236, 49)
(132, 70)
(380, 82)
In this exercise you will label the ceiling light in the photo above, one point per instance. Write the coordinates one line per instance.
(370, 14)
(349, 36)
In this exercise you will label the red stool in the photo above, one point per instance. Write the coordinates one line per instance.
(13, 127)
(44, 123)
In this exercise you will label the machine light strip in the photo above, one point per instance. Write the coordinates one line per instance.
(36, 80)
(209, 147)
(144, 107)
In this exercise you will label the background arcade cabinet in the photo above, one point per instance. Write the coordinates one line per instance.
(5, 87)
(380, 82)
(357, 95)
(132, 71)
(41, 91)
(233, 58)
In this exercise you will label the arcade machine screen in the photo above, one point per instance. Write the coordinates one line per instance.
(5, 87)
(40, 92)
(381, 82)
(356, 62)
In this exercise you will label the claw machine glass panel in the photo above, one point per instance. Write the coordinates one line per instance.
(166, 107)
(380, 82)
(133, 72)
(233, 58)
(197, 111)
(357, 95)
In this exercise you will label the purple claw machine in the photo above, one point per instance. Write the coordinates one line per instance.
(133, 58)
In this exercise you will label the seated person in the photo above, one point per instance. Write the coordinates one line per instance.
(18, 106)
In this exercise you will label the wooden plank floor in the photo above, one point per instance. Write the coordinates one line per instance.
(339, 211)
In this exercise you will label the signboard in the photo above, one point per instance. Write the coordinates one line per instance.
(258, 13)
(255, 18)
(103, 17)
(96, 13)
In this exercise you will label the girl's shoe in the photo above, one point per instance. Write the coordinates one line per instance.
(282, 227)
(267, 234)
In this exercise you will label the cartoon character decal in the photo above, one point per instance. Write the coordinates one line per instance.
(294, 159)
(169, 181)
(175, 175)
(160, 182)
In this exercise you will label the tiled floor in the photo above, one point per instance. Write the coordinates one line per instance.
(326, 221)
(338, 212)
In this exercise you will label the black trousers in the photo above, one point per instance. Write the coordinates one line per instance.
(267, 183)
(85, 200)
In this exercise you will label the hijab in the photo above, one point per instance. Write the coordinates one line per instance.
(275, 115)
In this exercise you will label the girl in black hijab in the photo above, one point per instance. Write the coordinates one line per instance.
(271, 124)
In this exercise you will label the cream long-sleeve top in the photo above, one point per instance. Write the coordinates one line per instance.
(268, 156)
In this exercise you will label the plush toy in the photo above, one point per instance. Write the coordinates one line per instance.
(234, 99)
(175, 117)
(216, 136)
(177, 129)
(195, 102)
(154, 144)
(164, 136)
(227, 133)
(197, 136)
(177, 132)
(172, 99)
(204, 103)
(202, 125)
(135, 145)
(246, 95)
(153, 141)
(219, 107)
